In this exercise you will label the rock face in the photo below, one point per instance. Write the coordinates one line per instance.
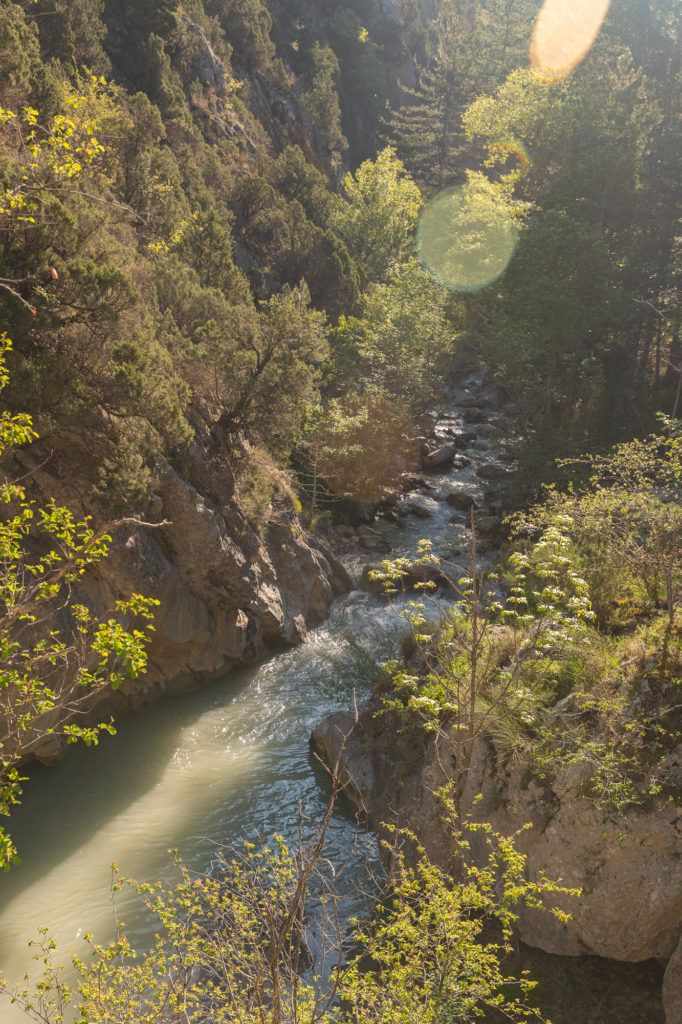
(672, 988)
(226, 594)
(340, 740)
(630, 871)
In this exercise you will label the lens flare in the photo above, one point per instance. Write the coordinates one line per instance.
(563, 36)
(511, 151)
(466, 236)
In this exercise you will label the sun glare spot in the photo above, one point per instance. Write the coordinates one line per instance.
(511, 152)
(465, 239)
(563, 36)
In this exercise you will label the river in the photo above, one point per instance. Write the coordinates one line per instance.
(204, 769)
(211, 767)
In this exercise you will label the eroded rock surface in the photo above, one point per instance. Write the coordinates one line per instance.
(226, 593)
(629, 868)
(672, 988)
(340, 740)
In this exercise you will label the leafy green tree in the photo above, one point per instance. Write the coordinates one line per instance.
(378, 218)
(83, 345)
(19, 56)
(247, 25)
(288, 244)
(232, 945)
(547, 326)
(399, 344)
(429, 953)
(574, 149)
(50, 675)
(296, 178)
(625, 524)
(277, 372)
(358, 448)
(206, 245)
(475, 48)
(427, 130)
(72, 31)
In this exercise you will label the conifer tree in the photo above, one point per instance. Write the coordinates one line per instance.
(474, 49)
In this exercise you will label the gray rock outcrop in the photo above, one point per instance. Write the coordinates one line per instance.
(628, 868)
(672, 987)
(339, 740)
(226, 593)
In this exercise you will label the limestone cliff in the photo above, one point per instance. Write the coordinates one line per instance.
(226, 593)
(628, 868)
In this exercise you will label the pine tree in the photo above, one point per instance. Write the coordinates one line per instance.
(474, 50)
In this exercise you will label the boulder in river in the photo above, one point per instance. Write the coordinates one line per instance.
(372, 540)
(464, 438)
(475, 415)
(491, 471)
(416, 509)
(338, 740)
(414, 482)
(461, 500)
(441, 457)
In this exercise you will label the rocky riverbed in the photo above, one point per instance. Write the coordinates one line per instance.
(631, 878)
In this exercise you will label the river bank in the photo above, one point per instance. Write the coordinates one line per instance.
(206, 768)
(232, 761)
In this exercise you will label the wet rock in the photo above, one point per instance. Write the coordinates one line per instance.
(475, 415)
(466, 400)
(672, 988)
(415, 509)
(339, 742)
(427, 421)
(461, 462)
(441, 457)
(392, 516)
(372, 540)
(491, 471)
(461, 500)
(464, 438)
(413, 482)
